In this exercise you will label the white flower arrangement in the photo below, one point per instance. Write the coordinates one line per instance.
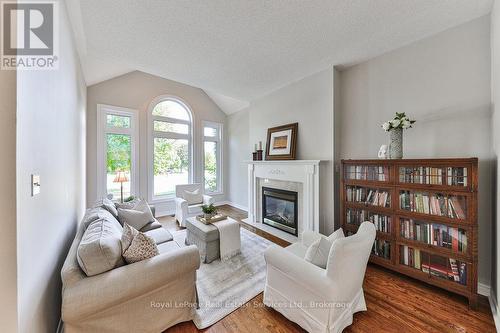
(401, 120)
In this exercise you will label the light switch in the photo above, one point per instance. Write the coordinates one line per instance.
(35, 185)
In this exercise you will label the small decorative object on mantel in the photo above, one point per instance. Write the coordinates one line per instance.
(282, 142)
(257, 153)
(382, 153)
(395, 128)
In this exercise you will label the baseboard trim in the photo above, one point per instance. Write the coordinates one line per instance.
(60, 326)
(483, 289)
(495, 311)
(233, 204)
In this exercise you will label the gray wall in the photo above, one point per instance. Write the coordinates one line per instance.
(308, 102)
(495, 105)
(51, 143)
(136, 90)
(8, 252)
(444, 83)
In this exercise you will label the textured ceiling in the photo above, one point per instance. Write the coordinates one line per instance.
(244, 49)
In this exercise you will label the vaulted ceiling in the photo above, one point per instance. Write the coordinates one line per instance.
(239, 50)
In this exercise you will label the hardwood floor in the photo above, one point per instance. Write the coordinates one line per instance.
(396, 303)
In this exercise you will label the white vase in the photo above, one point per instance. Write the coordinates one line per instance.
(396, 146)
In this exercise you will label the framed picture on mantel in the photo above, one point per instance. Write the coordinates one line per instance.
(282, 142)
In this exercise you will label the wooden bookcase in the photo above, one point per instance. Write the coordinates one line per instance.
(425, 211)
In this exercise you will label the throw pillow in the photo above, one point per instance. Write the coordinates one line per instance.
(193, 197)
(108, 205)
(339, 233)
(317, 253)
(135, 218)
(143, 206)
(127, 205)
(127, 236)
(142, 247)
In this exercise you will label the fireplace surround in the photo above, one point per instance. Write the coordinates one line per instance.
(301, 176)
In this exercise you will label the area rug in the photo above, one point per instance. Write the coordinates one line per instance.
(224, 286)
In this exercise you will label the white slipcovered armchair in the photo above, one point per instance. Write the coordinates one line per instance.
(319, 300)
(188, 201)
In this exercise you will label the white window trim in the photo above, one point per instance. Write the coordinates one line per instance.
(151, 134)
(220, 159)
(102, 130)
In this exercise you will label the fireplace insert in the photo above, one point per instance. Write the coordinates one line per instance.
(279, 209)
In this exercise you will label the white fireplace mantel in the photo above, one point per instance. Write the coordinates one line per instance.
(305, 172)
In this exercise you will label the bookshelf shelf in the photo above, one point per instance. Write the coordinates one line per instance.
(425, 213)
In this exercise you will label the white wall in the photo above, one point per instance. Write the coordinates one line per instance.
(444, 83)
(239, 148)
(495, 105)
(8, 252)
(308, 102)
(136, 90)
(51, 143)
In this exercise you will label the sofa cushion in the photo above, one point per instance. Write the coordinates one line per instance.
(168, 247)
(100, 249)
(193, 197)
(142, 247)
(108, 205)
(151, 226)
(195, 209)
(160, 235)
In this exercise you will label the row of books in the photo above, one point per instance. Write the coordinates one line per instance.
(356, 216)
(421, 175)
(382, 249)
(457, 176)
(367, 172)
(445, 268)
(368, 196)
(434, 234)
(434, 204)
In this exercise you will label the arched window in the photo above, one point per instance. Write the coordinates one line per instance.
(171, 146)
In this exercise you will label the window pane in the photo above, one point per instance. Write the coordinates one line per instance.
(118, 158)
(210, 166)
(117, 121)
(164, 126)
(171, 109)
(210, 131)
(171, 165)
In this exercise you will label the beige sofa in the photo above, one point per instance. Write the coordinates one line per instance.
(147, 296)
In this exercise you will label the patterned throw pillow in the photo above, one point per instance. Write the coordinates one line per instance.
(142, 247)
(127, 236)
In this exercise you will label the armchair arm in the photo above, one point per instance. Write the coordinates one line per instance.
(309, 237)
(180, 203)
(309, 276)
(207, 200)
(103, 291)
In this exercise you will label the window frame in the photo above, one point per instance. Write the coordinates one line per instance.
(167, 135)
(102, 130)
(219, 140)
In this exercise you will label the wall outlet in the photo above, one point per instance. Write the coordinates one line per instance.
(35, 185)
